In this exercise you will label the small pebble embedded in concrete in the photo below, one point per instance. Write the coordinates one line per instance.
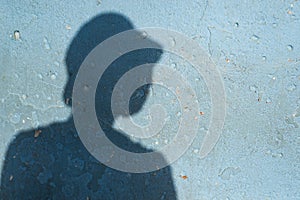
(37, 133)
(291, 87)
(254, 38)
(173, 42)
(15, 118)
(46, 43)
(86, 87)
(144, 35)
(53, 76)
(184, 177)
(17, 35)
(253, 88)
(290, 47)
(24, 96)
(68, 27)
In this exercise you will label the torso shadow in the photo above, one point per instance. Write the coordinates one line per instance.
(56, 165)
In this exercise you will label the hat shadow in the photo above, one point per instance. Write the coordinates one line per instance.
(56, 165)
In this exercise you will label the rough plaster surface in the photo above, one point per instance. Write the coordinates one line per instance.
(255, 45)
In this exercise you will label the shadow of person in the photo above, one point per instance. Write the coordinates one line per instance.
(56, 165)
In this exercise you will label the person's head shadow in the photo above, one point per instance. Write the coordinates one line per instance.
(92, 34)
(52, 163)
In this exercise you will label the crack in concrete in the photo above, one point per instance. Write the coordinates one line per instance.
(209, 41)
(204, 11)
(51, 84)
(25, 103)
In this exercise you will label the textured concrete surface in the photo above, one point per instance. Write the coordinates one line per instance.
(255, 45)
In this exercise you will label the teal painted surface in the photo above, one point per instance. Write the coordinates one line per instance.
(255, 45)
